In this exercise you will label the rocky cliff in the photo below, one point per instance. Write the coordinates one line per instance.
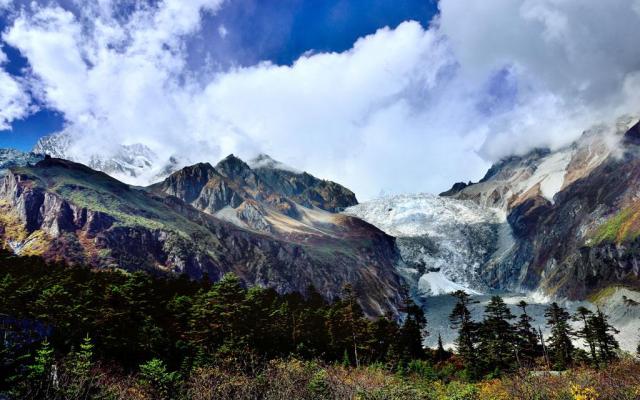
(573, 214)
(68, 212)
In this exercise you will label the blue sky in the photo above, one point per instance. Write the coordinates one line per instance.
(371, 94)
(279, 31)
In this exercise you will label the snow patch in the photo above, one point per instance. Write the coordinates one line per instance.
(550, 174)
(435, 284)
(265, 161)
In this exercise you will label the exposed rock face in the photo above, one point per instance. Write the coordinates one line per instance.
(572, 212)
(302, 187)
(269, 199)
(66, 211)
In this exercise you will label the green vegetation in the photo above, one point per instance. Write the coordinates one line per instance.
(76, 333)
(99, 192)
(622, 227)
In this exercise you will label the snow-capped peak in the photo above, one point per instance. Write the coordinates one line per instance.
(265, 161)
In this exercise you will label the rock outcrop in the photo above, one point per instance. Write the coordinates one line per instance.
(65, 211)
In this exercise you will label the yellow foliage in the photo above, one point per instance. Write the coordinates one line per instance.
(493, 390)
(584, 393)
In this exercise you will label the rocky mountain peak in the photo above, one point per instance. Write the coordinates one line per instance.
(232, 167)
(264, 161)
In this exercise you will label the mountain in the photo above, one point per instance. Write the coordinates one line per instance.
(11, 158)
(271, 200)
(65, 211)
(572, 214)
(559, 224)
(133, 163)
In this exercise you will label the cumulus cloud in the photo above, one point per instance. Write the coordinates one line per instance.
(14, 101)
(406, 109)
(576, 63)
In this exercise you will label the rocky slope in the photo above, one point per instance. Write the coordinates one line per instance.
(67, 211)
(572, 214)
(268, 199)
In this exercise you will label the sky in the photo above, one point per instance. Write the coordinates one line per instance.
(383, 96)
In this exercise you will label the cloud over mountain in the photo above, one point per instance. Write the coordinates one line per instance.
(406, 109)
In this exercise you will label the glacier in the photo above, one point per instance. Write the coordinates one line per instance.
(443, 241)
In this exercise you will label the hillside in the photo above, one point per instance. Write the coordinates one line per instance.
(68, 212)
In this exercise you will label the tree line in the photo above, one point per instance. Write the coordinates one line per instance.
(56, 319)
(129, 319)
(504, 342)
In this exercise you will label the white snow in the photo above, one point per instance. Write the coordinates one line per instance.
(549, 174)
(265, 161)
(446, 239)
(435, 284)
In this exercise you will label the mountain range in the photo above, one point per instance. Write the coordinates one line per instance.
(549, 224)
(271, 227)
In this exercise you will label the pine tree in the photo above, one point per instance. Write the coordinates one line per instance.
(559, 343)
(41, 377)
(460, 319)
(603, 333)
(154, 373)
(79, 371)
(528, 346)
(587, 332)
(496, 339)
(441, 354)
(413, 330)
(348, 327)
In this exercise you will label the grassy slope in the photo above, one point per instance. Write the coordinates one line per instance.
(99, 192)
(622, 227)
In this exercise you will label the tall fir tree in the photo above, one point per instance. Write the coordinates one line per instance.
(560, 346)
(587, 331)
(605, 340)
(497, 337)
(441, 354)
(348, 327)
(460, 319)
(413, 330)
(527, 344)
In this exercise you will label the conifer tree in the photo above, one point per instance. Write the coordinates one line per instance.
(347, 325)
(413, 329)
(603, 333)
(460, 319)
(559, 346)
(41, 376)
(528, 346)
(496, 339)
(79, 371)
(587, 332)
(441, 354)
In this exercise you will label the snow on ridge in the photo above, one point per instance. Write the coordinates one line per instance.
(265, 161)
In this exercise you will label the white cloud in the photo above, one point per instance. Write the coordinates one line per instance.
(573, 59)
(222, 31)
(14, 102)
(404, 110)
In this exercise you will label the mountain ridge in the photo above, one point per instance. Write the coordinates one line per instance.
(65, 211)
